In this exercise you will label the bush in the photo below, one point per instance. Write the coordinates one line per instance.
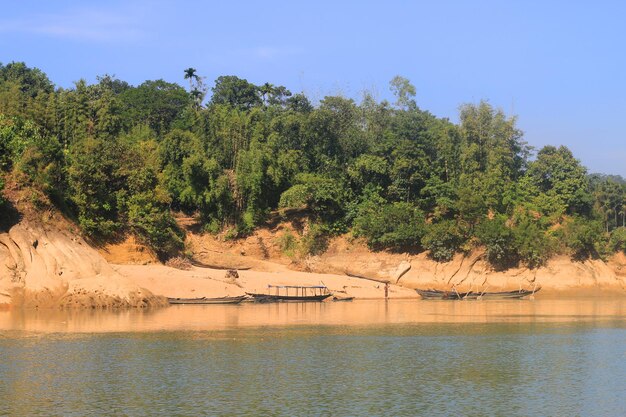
(499, 241)
(586, 238)
(617, 242)
(443, 239)
(534, 245)
(246, 224)
(324, 196)
(315, 241)
(393, 226)
(288, 243)
(15, 135)
(154, 225)
(213, 227)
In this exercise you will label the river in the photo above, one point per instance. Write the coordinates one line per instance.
(400, 357)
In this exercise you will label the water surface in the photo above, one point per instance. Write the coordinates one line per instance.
(405, 357)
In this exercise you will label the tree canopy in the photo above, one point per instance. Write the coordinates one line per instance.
(121, 158)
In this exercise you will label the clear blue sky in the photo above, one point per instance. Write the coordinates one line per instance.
(559, 65)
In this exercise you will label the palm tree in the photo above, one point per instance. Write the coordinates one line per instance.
(266, 89)
(190, 73)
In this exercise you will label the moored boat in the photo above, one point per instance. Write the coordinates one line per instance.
(431, 294)
(205, 300)
(281, 293)
(502, 295)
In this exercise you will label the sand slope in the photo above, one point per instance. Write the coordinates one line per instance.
(47, 266)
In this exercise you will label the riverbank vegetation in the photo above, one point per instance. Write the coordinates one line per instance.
(119, 158)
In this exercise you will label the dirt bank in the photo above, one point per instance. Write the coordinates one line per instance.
(48, 266)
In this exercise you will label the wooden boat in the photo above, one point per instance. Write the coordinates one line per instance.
(205, 300)
(441, 295)
(501, 295)
(343, 298)
(298, 294)
(475, 295)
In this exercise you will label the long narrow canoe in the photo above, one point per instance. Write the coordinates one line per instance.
(502, 295)
(269, 298)
(453, 295)
(205, 300)
(441, 295)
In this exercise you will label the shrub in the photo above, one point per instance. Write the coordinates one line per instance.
(499, 241)
(15, 135)
(534, 245)
(393, 226)
(213, 227)
(443, 239)
(617, 242)
(315, 240)
(154, 225)
(288, 243)
(324, 196)
(247, 224)
(586, 238)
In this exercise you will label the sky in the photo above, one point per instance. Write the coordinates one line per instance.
(559, 66)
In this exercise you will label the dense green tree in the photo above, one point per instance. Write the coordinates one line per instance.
(585, 238)
(31, 81)
(558, 174)
(443, 239)
(155, 103)
(404, 92)
(397, 225)
(235, 92)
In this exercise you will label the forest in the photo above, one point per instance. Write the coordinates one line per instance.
(119, 159)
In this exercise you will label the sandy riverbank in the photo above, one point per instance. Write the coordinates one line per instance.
(52, 266)
(207, 282)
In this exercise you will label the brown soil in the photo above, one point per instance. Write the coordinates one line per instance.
(128, 252)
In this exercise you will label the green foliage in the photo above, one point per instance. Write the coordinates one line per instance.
(404, 91)
(119, 158)
(15, 136)
(322, 195)
(155, 225)
(585, 238)
(235, 92)
(443, 240)
(288, 243)
(534, 245)
(155, 103)
(31, 81)
(618, 239)
(94, 180)
(314, 241)
(395, 226)
(499, 241)
(557, 173)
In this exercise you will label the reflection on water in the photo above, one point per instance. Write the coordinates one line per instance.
(356, 313)
(546, 358)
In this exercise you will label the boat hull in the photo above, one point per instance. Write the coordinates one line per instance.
(453, 295)
(502, 295)
(268, 298)
(204, 300)
(441, 295)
